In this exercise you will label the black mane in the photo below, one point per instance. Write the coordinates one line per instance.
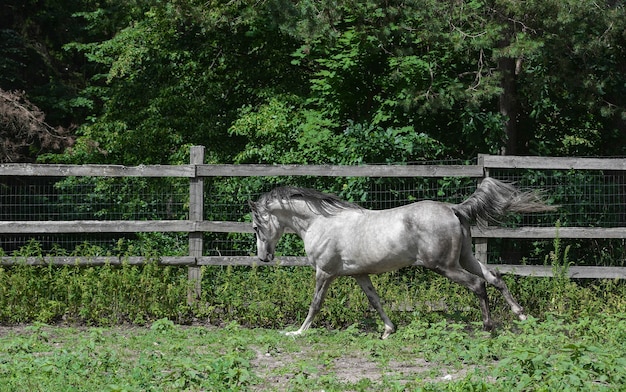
(319, 202)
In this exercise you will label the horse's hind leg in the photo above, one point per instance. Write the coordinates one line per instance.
(475, 285)
(322, 283)
(368, 288)
(471, 264)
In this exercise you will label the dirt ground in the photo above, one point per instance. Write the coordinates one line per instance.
(350, 369)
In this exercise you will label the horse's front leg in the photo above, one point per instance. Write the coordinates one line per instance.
(322, 283)
(368, 288)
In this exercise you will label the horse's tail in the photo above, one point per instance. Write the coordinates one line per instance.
(493, 199)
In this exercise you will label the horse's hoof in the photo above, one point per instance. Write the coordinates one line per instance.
(387, 333)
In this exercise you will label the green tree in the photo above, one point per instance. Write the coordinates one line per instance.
(177, 75)
(563, 84)
(291, 81)
(417, 70)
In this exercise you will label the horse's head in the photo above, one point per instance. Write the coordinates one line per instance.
(267, 229)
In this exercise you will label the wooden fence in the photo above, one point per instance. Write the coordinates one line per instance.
(195, 226)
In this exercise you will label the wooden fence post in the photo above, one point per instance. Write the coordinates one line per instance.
(196, 213)
(481, 245)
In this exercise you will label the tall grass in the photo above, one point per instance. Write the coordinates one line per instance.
(101, 295)
(277, 297)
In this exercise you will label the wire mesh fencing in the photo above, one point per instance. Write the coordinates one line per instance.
(588, 198)
(92, 198)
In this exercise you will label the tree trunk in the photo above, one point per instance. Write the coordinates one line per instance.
(509, 108)
(508, 104)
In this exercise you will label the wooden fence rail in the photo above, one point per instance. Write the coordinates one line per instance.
(195, 226)
(186, 226)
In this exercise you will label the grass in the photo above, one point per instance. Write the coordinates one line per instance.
(554, 354)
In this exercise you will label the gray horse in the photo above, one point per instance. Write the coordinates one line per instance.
(343, 239)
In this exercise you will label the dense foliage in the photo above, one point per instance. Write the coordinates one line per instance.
(321, 81)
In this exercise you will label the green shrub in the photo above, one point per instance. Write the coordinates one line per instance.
(277, 297)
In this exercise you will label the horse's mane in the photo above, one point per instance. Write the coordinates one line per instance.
(319, 202)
